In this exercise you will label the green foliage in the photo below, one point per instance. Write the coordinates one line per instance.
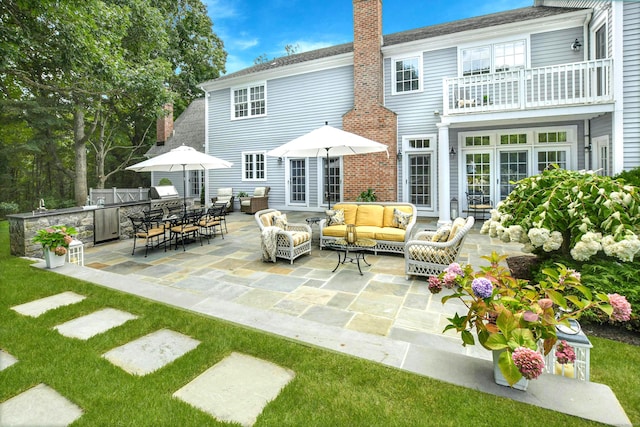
(571, 212)
(7, 208)
(243, 194)
(631, 177)
(604, 275)
(367, 196)
(55, 237)
(165, 181)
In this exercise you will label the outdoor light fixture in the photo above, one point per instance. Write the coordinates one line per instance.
(399, 155)
(279, 160)
(452, 151)
(576, 45)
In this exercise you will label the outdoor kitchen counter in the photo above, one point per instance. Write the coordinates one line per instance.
(24, 226)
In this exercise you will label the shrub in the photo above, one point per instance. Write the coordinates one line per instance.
(165, 181)
(7, 208)
(631, 177)
(367, 196)
(570, 212)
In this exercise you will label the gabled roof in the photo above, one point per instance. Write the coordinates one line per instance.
(188, 130)
(479, 22)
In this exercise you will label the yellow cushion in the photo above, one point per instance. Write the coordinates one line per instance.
(300, 237)
(455, 227)
(366, 232)
(369, 215)
(442, 234)
(390, 233)
(388, 214)
(334, 231)
(266, 219)
(349, 212)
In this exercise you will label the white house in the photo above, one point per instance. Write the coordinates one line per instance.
(465, 107)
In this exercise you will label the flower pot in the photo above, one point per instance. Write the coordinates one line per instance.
(52, 260)
(522, 384)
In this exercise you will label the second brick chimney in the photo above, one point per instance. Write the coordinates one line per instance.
(165, 125)
(368, 117)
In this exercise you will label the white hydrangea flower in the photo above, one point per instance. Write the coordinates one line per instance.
(554, 242)
(528, 248)
(493, 232)
(495, 215)
(485, 227)
(515, 233)
(584, 227)
(538, 236)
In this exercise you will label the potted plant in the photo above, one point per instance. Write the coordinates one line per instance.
(55, 240)
(515, 318)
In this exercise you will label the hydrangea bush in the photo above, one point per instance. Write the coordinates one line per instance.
(518, 316)
(577, 213)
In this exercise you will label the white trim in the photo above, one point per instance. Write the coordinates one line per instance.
(617, 34)
(207, 192)
(393, 76)
(287, 182)
(431, 150)
(596, 146)
(490, 43)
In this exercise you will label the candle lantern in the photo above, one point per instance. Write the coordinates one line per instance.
(579, 369)
(454, 208)
(350, 234)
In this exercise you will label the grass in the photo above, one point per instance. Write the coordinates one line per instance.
(329, 389)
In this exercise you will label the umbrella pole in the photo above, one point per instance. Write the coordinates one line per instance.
(327, 173)
(184, 189)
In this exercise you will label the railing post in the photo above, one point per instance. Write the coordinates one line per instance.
(522, 92)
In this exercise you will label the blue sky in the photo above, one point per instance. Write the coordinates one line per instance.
(250, 28)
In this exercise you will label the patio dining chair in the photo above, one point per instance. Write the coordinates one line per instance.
(478, 203)
(187, 226)
(152, 231)
(212, 220)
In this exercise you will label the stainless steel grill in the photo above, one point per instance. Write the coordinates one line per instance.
(165, 196)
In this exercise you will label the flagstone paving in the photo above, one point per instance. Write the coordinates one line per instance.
(40, 306)
(151, 352)
(95, 323)
(38, 406)
(236, 389)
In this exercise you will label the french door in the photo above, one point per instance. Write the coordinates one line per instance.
(334, 192)
(297, 183)
(420, 180)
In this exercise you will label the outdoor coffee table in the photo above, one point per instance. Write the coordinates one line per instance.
(358, 250)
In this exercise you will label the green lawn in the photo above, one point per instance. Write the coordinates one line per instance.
(329, 389)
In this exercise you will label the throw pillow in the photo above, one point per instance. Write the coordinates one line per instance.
(400, 219)
(442, 234)
(335, 217)
(280, 221)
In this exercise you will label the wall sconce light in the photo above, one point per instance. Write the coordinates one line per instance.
(452, 151)
(279, 160)
(587, 146)
(576, 45)
(399, 154)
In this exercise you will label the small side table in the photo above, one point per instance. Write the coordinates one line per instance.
(358, 249)
(313, 220)
(75, 253)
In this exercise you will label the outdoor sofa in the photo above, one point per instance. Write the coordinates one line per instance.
(389, 223)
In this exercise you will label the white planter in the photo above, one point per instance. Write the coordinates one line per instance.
(52, 260)
(522, 384)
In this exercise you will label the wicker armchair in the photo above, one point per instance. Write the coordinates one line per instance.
(292, 241)
(225, 196)
(257, 202)
(430, 252)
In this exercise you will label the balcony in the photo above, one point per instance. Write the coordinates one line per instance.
(573, 84)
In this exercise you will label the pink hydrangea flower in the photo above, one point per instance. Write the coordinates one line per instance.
(454, 268)
(449, 279)
(529, 362)
(435, 285)
(545, 303)
(621, 307)
(565, 353)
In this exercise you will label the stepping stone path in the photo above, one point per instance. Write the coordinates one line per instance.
(236, 389)
(95, 323)
(39, 406)
(6, 360)
(151, 352)
(40, 306)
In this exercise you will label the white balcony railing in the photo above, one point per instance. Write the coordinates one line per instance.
(577, 83)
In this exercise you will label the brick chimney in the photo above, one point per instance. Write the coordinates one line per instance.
(368, 117)
(165, 125)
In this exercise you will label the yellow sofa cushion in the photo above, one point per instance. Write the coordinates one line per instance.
(390, 233)
(367, 231)
(369, 215)
(334, 230)
(349, 212)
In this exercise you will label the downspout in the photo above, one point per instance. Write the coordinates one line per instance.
(587, 122)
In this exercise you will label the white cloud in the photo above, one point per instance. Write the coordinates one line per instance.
(220, 9)
(236, 63)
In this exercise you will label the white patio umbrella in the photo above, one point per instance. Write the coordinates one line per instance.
(182, 158)
(327, 141)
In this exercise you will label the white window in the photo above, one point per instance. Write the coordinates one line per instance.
(493, 58)
(254, 167)
(249, 101)
(407, 75)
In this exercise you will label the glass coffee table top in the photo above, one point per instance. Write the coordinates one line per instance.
(342, 248)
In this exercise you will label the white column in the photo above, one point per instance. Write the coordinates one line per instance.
(444, 182)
